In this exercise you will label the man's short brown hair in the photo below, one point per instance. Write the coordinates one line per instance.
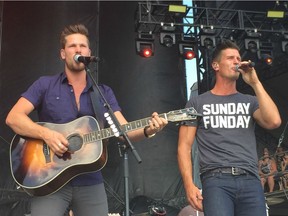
(73, 29)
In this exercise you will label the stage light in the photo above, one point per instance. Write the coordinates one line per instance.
(189, 54)
(145, 48)
(207, 37)
(285, 46)
(252, 41)
(267, 59)
(146, 52)
(187, 51)
(187, 47)
(208, 41)
(167, 39)
(252, 45)
(167, 35)
(145, 45)
(284, 43)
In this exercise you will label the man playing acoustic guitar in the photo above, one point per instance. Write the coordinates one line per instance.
(60, 99)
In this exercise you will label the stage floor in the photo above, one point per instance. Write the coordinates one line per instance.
(277, 202)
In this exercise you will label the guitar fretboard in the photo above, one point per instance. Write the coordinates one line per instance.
(109, 132)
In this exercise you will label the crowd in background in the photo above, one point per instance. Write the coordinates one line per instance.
(273, 170)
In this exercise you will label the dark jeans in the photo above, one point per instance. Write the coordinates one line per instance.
(84, 201)
(228, 195)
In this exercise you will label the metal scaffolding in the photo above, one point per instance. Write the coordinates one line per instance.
(216, 23)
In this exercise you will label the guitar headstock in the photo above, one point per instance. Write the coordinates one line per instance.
(186, 114)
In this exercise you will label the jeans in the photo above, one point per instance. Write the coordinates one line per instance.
(83, 200)
(229, 195)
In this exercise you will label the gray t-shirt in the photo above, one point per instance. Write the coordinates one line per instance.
(225, 133)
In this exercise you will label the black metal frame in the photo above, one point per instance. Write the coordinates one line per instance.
(226, 23)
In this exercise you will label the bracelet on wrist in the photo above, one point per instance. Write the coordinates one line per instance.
(147, 135)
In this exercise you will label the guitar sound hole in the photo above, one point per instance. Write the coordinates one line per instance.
(75, 143)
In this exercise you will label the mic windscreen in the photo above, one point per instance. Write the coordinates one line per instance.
(252, 64)
(77, 58)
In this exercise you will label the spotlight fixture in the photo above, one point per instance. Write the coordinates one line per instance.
(167, 36)
(207, 37)
(284, 44)
(189, 54)
(252, 44)
(145, 45)
(187, 47)
(208, 41)
(167, 39)
(187, 51)
(252, 41)
(267, 59)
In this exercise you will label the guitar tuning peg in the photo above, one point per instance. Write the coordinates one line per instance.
(110, 122)
(108, 118)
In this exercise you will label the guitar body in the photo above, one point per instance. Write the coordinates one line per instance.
(41, 172)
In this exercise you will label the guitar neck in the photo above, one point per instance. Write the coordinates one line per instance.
(108, 132)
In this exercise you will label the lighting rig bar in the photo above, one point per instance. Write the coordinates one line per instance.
(150, 17)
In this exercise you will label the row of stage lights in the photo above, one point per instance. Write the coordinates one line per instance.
(187, 45)
(145, 42)
(145, 45)
(167, 37)
(148, 52)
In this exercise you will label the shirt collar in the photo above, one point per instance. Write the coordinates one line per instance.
(65, 80)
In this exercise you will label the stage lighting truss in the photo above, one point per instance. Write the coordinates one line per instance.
(145, 45)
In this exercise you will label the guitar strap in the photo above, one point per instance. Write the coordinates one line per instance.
(96, 103)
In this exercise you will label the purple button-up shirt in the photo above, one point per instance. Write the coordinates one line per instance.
(54, 100)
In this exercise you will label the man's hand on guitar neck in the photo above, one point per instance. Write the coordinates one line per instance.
(156, 124)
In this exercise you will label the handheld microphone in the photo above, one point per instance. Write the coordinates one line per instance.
(86, 59)
(250, 65)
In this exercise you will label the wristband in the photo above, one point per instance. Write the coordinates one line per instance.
(145, 133)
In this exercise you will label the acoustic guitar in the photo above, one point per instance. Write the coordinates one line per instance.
(38, 171)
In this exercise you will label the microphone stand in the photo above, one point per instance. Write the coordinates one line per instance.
(125, 145)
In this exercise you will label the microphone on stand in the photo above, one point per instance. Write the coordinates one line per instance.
(250, 65)
(86, 59)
